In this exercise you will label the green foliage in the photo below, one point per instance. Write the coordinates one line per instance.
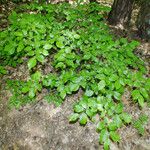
(84, 56)
(18, 99)
(3, 70)
(140, 123)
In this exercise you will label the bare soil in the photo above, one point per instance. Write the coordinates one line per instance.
(42, 126)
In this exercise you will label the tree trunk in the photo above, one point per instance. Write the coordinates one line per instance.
(121, 12)
(91, 1)
(143, 20)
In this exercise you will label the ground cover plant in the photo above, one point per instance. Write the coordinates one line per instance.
(83, 55)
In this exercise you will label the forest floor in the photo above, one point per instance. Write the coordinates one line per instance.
(42, 126)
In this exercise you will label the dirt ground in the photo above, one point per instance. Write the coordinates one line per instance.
(42, 126)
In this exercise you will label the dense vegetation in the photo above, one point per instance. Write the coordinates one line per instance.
(76, 42)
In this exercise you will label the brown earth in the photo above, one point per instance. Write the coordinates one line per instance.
(42, 126)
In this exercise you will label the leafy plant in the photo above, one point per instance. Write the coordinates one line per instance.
(3, 70)
(140, 123)
(84, 55)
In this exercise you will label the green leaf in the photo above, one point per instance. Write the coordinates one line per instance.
(74, 117)
(115, 136)
(104, 136)
(78, 109)
(31, 53)
(106, 144)
(117, 121)
(25, 89)
(101, 125)
(74, 87)
(83, 119)
(63, 94)
(59, 44)
(144, 93)
(135, 94)
(31, 93)
(126, 117)
(47, 46)
(36, 76)
(113, 78)
(141, 100)
(117, 85)
(121, 81)
(112, 126)
(40, 58)
(60, 65)
(86, 56)
(10, 49)
(45, 52)
(32, 63)
(89, 93)
(76, 36)
(100, 107)
(90, 113)
(119, 108)
(117, 95)
(20, 47)
(101, 85)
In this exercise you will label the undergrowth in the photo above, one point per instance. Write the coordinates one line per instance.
(84, 56)
(140, 123)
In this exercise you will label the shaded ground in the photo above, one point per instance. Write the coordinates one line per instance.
(42, 126)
